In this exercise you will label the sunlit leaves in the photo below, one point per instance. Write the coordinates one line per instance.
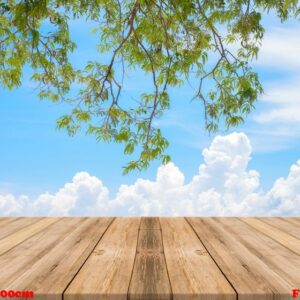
(168, 40)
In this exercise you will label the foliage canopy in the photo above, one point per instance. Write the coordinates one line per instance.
(168, 39)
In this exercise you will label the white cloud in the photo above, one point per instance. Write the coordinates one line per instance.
(283, 102)
(285, 114)
(277, 118)
(280, 48)
(223, 186)
(10, 205)
(285, 194)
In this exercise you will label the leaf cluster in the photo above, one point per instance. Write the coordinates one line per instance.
(212, 40)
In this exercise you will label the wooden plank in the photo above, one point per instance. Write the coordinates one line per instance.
(50, 275)
(6, 220)
(278, 235)
(277, 257)
(15, 224)
(150, 241)
(150, 277)
(193, 274)
(23, 256)
(150, 223)
(107, 272)
(138, 259)
(293, 220)
(248, 274)
(282, 224)
(21, 235)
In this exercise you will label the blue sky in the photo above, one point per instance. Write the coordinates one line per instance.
(35, 158)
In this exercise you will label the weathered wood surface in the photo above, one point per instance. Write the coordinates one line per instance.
(151, 258)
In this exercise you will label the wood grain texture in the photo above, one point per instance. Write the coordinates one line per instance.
(151, 258)
(193, 273)
(293, 220)
(5, 220)
(13, 225)
(248, 274)
(19, 259)
(284, 225)
(276, 257)
(50, 275)
(150, 276)
(107, 272)
(21, 235)
(150, 223)
(280, 236)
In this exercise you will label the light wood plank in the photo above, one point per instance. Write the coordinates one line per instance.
(293, 220)
(128, 261)
(107, 272)
(193, 274)
(23, 256)
(21, 235)
(150, 277)
(14, 225)
(6, 220)
(282, 224)
(278, 235)
(50, 275)
(277, 257)
(248, 274)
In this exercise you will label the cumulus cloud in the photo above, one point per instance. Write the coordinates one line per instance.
(223, 186)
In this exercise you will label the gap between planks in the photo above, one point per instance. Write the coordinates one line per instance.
(289, 241)
(219, 267)
(113, 219)
(155, 281)
(260, 226)
(22, 234)
(123, 264)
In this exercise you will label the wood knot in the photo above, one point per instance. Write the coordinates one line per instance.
(99, 252)
(201, 252)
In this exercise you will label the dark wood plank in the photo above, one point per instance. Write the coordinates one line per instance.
(150, 223)
(150, 277)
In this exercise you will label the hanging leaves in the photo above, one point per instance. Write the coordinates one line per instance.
(167, 39)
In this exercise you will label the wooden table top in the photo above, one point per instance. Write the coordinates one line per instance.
(151, 258)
